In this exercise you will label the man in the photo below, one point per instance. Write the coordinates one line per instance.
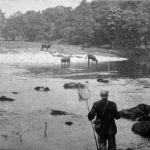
(107, 112)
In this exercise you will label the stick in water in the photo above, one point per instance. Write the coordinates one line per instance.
(45, 130)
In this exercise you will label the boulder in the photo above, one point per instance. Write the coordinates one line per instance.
(142, 128)
(144, 118)
(73, 85)
(135, 113)
(58, 112)
(102, 80)
(38, 88)
(146, 87)
(46, 89)
(69, 123)
(4, 98)
(41, 88)
(15, 93)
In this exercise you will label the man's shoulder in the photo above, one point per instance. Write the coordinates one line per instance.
(97, 102)
(111, 102)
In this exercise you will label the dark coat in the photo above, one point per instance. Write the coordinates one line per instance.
(108, 120)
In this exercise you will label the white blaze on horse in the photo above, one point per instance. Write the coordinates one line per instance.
(47, 46)
(65, 59)
(92, 57)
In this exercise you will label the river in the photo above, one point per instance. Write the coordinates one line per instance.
(24, 69)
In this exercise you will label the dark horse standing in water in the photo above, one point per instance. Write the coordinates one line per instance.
(91, 57)
(47, 46)
(65, 59)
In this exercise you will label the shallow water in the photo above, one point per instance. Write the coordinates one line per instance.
(22, 71)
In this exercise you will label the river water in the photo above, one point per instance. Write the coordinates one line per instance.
(22, 70)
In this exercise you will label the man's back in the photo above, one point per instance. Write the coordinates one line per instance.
(110, 113)
(107, 112)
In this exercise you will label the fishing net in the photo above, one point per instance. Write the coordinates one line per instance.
(83, 93)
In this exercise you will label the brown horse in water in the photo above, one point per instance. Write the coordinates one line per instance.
(91, 57)
(47, 46)
(65, 59)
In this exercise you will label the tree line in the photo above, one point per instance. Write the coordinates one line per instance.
(121, 24)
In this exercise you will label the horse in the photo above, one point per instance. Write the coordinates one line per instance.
(65, 59)
(91, 57)
(45, 46)
(85, 45)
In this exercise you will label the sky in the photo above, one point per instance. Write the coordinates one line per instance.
(10, 6)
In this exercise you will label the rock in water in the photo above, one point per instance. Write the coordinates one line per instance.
(69, 123)
(4, 98)
(142, 128)
(41, 88)
(146, 87)
(144, 118)
(73, 85)
(134, 113)
(46, 89)
(15, 93)
(102, 80)
(58, 112)
(38, 88)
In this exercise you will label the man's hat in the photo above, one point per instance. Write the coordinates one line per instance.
(104, 93)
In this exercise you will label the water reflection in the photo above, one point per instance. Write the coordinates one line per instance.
(92, 65)
(65, 65)
(134, 67)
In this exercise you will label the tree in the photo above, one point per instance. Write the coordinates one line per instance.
(33, 23)
(55, 21)
(82, 25)
(100, 13)
(121, 24)
(2, 21)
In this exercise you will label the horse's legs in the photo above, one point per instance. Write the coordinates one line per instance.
(88, 60)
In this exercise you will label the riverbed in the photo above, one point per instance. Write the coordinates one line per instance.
(23, 121)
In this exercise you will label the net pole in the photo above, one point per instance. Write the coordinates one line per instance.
(109, 70)
(96, 142)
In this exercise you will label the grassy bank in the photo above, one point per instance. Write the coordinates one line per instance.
(104, 51)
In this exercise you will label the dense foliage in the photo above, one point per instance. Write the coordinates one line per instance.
(117, 23)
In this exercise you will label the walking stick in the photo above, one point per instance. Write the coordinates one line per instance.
(92, 127)
(84, 95)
